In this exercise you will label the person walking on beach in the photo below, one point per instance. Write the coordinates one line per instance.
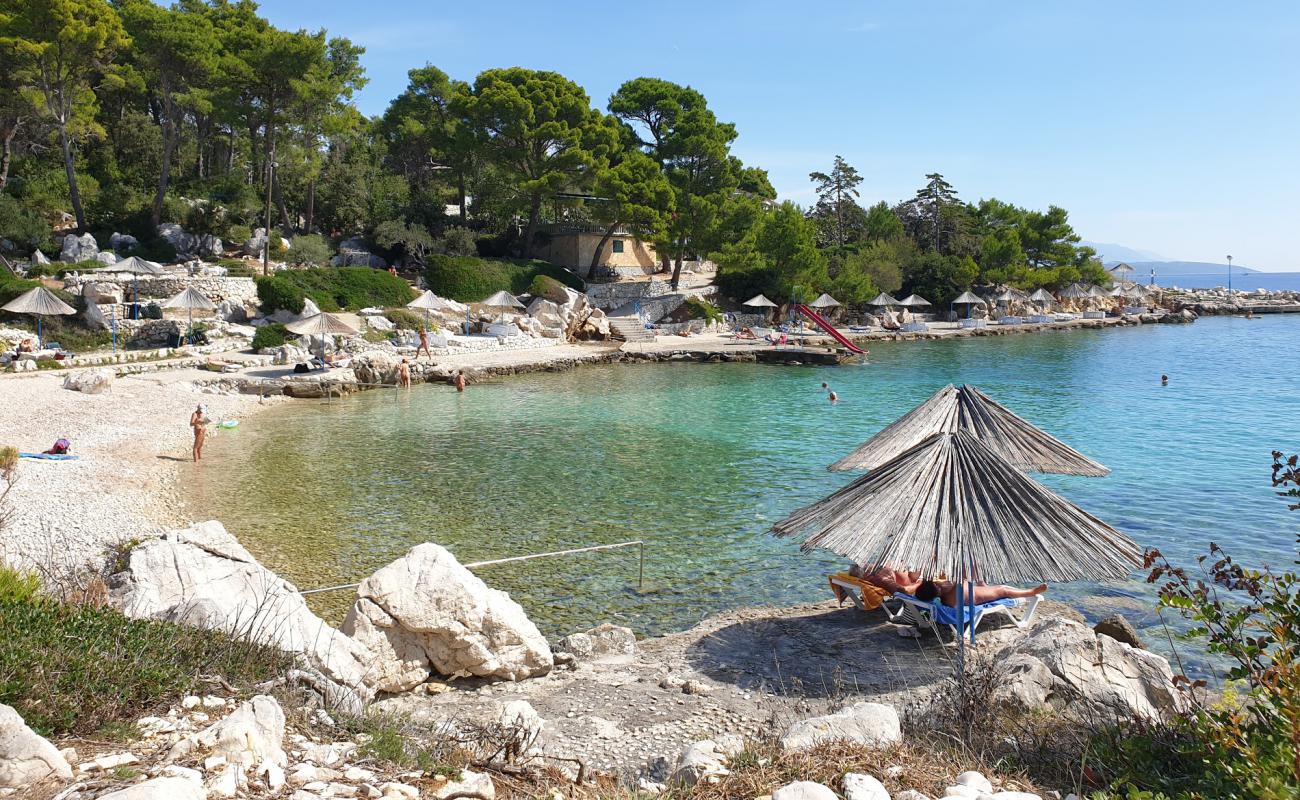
(460, 380)
(199, 421)
(424, 344)
(404, 374)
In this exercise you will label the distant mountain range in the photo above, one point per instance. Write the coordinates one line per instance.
(1118, 252)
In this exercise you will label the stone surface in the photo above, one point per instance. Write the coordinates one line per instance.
(376, 367)
(25, 756)
(857, 786)
(705, 759)
(425, 614)
(202, 576)
(190, 245)
(468, 785)
(106, 257)
(604, 643)
(159, 789)
(1117, 627)
(911, 794)
(89, 381)
(251, 735)
(123, 242)
(78, 248)
(869, 724)
(1062, 665)
(804, 790)
(975, 780)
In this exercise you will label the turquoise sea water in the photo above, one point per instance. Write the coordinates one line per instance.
(699, 460)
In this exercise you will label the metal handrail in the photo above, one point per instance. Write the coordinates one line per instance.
(638, 543)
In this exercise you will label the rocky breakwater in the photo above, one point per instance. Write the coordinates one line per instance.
(1221, 302)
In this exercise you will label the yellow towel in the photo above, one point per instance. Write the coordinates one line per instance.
(872, 595)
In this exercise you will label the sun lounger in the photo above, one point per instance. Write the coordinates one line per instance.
(915, 327)
(934, 614)
(866, 596)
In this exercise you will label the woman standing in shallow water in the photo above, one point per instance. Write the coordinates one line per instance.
(199, 421)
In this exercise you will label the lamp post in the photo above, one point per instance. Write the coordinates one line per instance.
(1229, 276)
(266, 249)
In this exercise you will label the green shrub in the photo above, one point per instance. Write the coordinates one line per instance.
(342, 288)
(22, 225)
(468, 279)
(11, 287)
(458, 241)
(8, 461)
(78, 668)
(276, 292)
(544, 286)
(405, 318)
(73, 335)
(699, 309)
(15, 586)
(238, 234)
(310, 250)
(272, 335)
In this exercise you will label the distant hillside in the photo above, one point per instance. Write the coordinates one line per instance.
(1182, 268)
(1118, 252)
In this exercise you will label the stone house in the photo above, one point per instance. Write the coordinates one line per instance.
(572, 246)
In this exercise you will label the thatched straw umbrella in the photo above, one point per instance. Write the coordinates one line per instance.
(914, 301)
(970, 300)
(136, 266)
(39, 302)
(952, 506)
(427, 301)
(954, 409)
(503, 301)
(824, 301)
(1073, 292)
(759, 301)
(1043, 297)
(883, 300)
(1121, 270)
(190, 299)
(322, 325)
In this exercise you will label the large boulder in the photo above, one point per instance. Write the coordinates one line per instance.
(376, 367)
(426, 614)
(190, 245)
(709, 758)
(354, 252)
(90, 381)
(78, 248)
(1064, 667)
(804, 790)
(1117, 627)
(39, 258)
(868, 724)
(101, 292)
(123, 242)
(603, 643)
(202, 576)
(106, 257)
(26, 757)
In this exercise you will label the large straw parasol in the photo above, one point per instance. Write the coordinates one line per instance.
(954, 409)
(1073, 291)
(952, 506)
(1096, 291)
(40, 302)
(759, 301)
(883, 300)
(427, 301)
(1121, 269)
(824, 301)
(136, 266)
(502, 300)
(322, 325)
(970, 300)
(190, 299)
(914, 301)
(1043, 296)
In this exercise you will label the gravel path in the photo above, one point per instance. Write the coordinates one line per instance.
(130, 443)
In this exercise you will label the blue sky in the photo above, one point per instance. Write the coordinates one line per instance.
(1165, 126)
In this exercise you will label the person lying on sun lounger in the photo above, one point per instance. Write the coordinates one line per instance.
(946, 591)
(889, 579)
(746, 333)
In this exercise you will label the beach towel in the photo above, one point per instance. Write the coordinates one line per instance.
(49, 456)
(872, 595)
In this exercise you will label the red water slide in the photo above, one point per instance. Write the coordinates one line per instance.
(829, 328)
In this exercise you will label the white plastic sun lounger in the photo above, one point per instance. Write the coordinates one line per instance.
(934, 615)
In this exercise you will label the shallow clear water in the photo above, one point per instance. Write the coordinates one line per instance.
(699, 460)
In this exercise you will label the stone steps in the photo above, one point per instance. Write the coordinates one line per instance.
(630, 329)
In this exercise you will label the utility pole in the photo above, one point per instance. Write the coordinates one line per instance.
(1229, 276)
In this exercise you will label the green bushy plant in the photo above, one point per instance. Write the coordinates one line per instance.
(156, 249)
(468, 279)
(405, 318)
(310, 250)
(699, 309)
(276, 292)
(21, 225)
(272, 335)
(343, 288)
(544, 286)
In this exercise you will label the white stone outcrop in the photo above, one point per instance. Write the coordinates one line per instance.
(709, 758)
(858, 786)
(425, 614)
(202, 576)
(25, 756)
(376, 367)
(1063, 665)
(170, 788)
(869, 724)
(78, 248)
(468, 784)
(603, 643)
(250, 736)
(90, 381)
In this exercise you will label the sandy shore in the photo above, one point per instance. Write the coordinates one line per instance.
(123, 486)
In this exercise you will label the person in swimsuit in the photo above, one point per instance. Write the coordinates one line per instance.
(424, 344)
(460, 380)
(946, 591)
(199, 421)
(404, 374)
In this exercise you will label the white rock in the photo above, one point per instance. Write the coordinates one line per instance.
(1063, 666)
(107, 258)
(202, 576)
(110, 761)
(975, 780)
(470, 784)
(191, 701)
(212, 701)
(863, 787)
(911, 794)
(358, 774)
(804, 790)
(404, 791)
(26, 757)
(962, 792)
(251, 734)
(1015, 796)
(869, 724)
(272, 775)
(382, 324)
(704, 759)
(225, 783)
(89, 381)
(152, 726)
(304, 795)
(425, 613)
(78, 248)
(177, 771)
(165, 788)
